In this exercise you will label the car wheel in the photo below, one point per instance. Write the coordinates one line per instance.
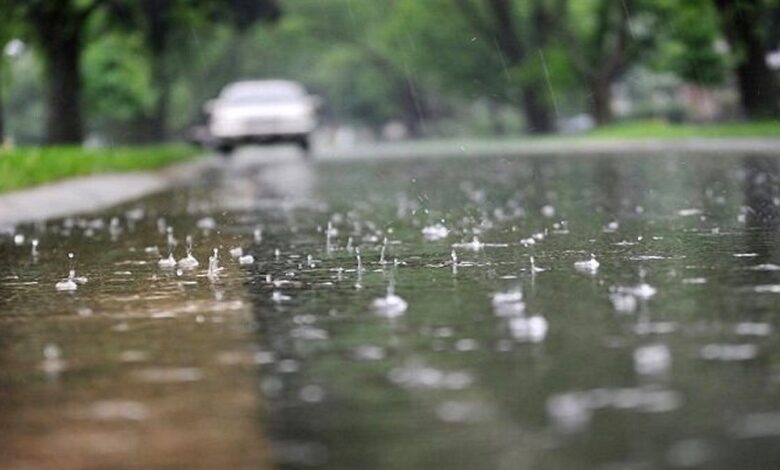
(225, 149)
(304, 144)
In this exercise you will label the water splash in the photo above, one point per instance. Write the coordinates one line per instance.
(214, 268)
(532, 329)
(52, 363)
(536, 269)
(189, 261)
(170, 261)
(278, 297)
(167, 263)
(507, 304)
(590, 265)
(382, 252)
(330, 232)
(207, 224)
(71, 283)
(359, 260)
(391, 305)
(435, 232)
(652, 359)
(246, 260)
(454, 261)
(473, 245)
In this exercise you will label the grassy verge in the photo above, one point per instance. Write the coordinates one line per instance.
(29, 166)
(657, 129)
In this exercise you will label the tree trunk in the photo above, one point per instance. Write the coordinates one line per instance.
(412, 108)
(157, 26)
(538, 119)
(62, 50)
(757, 84)
(157, 120)
(2, 108)
(602, 101)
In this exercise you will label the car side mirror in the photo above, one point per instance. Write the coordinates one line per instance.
(316, 101)
(208, 106)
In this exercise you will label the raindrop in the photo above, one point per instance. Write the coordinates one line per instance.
(312, 394)
(548, 211)
(473, 245)
(532, 329)
(435, 232)
(167, 263)
(52, 363)
(652, 359)
(189, 261)
(534, 268)
(391, 305)
(214, 268)
(382, 252)
(207, 223)
(729, 352)
(278, 297)
(590, 266)
(71, 282)
(359, 261)
(623, 303)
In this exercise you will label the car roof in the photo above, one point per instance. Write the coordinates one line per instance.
(264, 86)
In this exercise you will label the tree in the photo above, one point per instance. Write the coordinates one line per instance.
(745, 27)
(517, 33)
(602, 45)
(339, 46)
(57, 28)
(161, 20)
(496, 51)
(7, 32)
(687, 37)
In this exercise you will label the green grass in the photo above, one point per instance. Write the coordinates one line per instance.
(29, 166)
(657, 129)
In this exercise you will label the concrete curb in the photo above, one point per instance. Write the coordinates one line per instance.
(92, 193)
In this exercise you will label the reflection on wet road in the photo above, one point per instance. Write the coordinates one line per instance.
(567, 312)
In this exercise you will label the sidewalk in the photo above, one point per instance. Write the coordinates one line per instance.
(91, 193)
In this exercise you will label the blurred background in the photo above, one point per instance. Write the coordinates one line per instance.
(106, 72)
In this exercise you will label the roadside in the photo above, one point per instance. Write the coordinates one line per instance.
(93, 179)
(29, 166)
(660, 129)
(91, 193)
(571, 146)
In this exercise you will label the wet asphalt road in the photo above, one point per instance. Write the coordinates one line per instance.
(664, 356)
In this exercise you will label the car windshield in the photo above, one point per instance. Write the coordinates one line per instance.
(252, 94)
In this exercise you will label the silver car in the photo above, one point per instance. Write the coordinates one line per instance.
(262, 111)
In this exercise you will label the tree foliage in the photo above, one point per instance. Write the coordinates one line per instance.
(143, 68)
